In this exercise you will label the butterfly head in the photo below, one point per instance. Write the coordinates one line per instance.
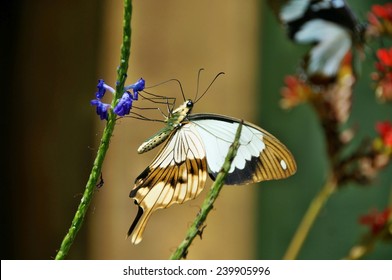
(179, 114)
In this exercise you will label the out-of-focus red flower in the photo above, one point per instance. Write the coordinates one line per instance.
(383, 144)
(383, 76)
(385, 59)
(332, 101)
(295, 92)
(385, 131)
(380, 19)
(376, 220)
(384, 12)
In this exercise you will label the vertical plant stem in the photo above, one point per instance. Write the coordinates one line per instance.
(125, 51)
(88, 193)
(197, 226)
(104, 145)
(309, 218)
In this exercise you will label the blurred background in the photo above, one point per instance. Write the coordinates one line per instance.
(53, 53)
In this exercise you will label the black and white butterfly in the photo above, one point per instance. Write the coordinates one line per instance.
(197, 145)
(329, 25)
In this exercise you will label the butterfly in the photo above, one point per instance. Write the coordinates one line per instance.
(196, 146)
(329, 25)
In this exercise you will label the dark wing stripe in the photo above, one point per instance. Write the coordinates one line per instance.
(260, 171)
(281, 153)
(274, 161)
(269, 162)
(269, 170)
(166, 191)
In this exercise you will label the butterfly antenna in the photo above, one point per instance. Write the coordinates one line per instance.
(217, 75)
(171, 80)
(161, 83)
(198, 82)
(182, 91)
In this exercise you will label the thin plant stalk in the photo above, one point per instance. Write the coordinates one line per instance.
(95, 174)
(197, 226)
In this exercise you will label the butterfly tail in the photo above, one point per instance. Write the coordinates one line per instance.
(138, 225)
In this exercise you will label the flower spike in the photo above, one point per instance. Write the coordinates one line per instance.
(124, 105)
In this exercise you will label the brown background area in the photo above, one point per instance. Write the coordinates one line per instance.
(54, 53)
(51, 55)
(173, 39)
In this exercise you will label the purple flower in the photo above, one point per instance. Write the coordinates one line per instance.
(102, 108)
(139, 85)
(124, 106)
(102, 87)
(136, 87)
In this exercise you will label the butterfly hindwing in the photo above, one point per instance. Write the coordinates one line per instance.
(260, 156)
(177, 174)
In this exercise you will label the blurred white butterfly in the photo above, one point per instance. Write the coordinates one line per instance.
(328, 24)
(196, 146)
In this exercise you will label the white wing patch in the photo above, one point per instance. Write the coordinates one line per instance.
(283, 164)
(260, 156)
(293, 10)
(333, 42)
(217, 137)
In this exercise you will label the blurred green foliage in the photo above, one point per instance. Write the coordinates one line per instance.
(283, 203)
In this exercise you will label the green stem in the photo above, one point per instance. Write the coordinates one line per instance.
(107, 134)
(309, 218)
(197, 226)
(89, 191)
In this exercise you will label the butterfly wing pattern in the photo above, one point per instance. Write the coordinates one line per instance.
(260, 156)
(200, 144)
(177, 174)
(328, 24)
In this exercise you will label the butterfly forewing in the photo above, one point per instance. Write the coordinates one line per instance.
(260, 156)
(177, 174)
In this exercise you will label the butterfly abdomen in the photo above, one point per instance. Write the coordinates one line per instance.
(172, 122)
(155, 140)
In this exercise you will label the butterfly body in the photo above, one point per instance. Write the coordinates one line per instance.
(196, 146)
(172, 122)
